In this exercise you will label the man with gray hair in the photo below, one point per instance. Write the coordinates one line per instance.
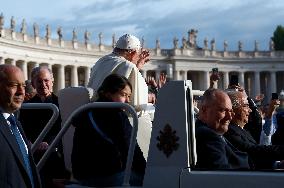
(263, 157)
(34, 121)
(213, 150)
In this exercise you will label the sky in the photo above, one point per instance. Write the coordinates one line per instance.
(230, 20)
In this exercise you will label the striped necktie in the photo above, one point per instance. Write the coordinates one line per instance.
(22, 146)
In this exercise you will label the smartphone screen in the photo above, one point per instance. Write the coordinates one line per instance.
(274, 96)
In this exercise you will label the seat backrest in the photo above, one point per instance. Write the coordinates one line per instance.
(172, 145)
(69, 99)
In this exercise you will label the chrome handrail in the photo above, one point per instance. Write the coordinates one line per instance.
(68, 122)
(50, 123)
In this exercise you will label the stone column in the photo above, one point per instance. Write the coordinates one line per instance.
(24, 68)
(226, 79)
(13, 62)
(183, 75)
(87, 75)
(176, 75)
(49, 66)
(60, 77)
(2, 60)
(273, 82)
(242, 79)
(170, 71)
(256, 83)
(157, 73)
(74, 76)
(206, 80)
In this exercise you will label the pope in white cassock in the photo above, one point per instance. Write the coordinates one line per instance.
(127, 59)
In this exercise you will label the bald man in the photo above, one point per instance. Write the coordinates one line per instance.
(214, 152)
(17, 167)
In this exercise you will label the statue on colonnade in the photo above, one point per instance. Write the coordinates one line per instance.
(100, 38)
(36, 30)
(240, 45)
(113, 40)
(142, 42)
(87, 36)
(184, 43)
(175, 41)
(225, 45)
(205, 43)
(256, 44)
(13, 24)
(192, 35)
(1, 21)
(158, 45)
(74, 36)
(24, 27)
(271, 45)
(59, 32)
(213, 45)
(48, 31)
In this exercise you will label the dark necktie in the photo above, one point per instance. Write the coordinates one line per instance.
(22, 146)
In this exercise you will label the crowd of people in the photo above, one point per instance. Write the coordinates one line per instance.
(114, 78)
(231, 131)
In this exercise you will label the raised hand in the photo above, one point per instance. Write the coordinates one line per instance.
(151, 81)
(162, 80)
(259, 97)
(144, 57)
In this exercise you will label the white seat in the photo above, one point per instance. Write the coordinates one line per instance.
(69, 99)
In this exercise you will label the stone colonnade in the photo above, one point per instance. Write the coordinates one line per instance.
(255, 82)
(64, 75)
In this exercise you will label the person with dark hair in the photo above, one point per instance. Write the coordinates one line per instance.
(127, 58)
(214, 152)
(101, 139)
(17, 167)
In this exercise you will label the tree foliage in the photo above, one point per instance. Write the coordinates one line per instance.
(278, 38)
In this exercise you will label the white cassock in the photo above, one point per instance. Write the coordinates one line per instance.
(113, 63)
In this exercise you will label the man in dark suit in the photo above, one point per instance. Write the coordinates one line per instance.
(264, 157)
(17, 167)
(213, 150)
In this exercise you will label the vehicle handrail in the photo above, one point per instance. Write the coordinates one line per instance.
(49, 124)
(88, 106)
(197, 92)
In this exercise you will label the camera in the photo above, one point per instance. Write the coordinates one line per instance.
(274, 96)
(215, 70)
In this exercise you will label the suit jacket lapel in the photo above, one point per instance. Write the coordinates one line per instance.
(6, 132)
(243, 133)
(249, 137)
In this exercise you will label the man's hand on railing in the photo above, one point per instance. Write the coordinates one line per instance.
(42, 146)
